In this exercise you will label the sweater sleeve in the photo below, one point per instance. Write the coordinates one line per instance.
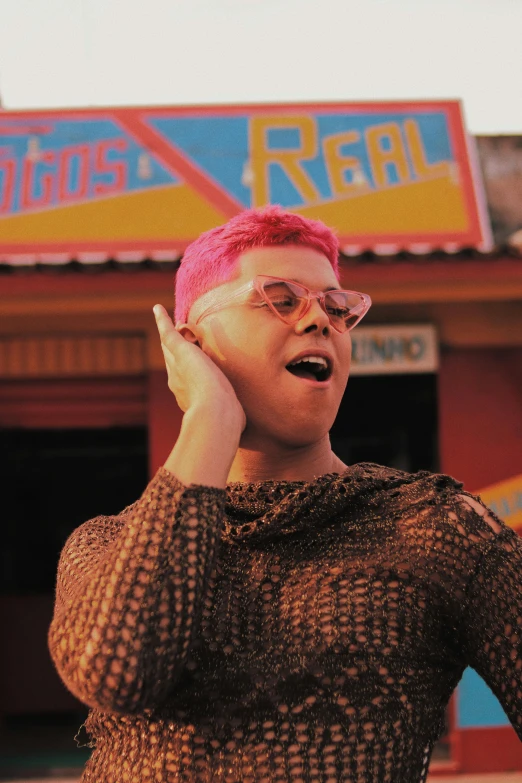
(492, 619)
(128, 595)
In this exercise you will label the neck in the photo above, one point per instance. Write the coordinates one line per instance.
(280, 462)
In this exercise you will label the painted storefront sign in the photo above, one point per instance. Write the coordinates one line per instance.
(147, 181)
(394, 350)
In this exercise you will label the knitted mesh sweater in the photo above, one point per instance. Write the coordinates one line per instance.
(301, 632)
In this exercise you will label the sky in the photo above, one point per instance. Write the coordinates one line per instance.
(74, 53)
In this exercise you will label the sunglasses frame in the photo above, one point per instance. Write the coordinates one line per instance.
(257, 284)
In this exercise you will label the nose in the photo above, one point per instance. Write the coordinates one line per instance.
(315, 319)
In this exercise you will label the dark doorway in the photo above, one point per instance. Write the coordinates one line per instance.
(53, 480)
(390, 420)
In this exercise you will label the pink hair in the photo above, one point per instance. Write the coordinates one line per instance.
(210, 260)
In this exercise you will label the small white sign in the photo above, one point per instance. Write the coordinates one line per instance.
(397, 349)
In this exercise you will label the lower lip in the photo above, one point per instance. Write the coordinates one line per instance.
(314, 384)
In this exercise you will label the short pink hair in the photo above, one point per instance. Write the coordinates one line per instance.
(210, 260)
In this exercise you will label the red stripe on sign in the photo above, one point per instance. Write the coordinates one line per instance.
(175, 161)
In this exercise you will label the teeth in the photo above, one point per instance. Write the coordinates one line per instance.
(315, 359)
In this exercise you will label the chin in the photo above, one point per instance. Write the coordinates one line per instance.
(299, 434)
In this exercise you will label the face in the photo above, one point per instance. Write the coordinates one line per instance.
(253, 347)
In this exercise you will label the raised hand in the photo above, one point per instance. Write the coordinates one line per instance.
(193, 378)
(214, 418)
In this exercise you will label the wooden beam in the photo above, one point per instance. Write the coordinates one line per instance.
(83, 355)
(138, 290)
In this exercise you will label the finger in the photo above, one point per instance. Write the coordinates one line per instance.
(167, 332)
(161, 316)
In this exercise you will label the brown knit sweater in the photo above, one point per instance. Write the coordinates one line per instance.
(285, 632)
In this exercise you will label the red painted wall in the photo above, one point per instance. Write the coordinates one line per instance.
(73, 402)
(494, 749)
(28, 680)
(480, 410)
(164, 422)
(480, 436)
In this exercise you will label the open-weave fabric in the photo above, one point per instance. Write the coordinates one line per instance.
(285, 632)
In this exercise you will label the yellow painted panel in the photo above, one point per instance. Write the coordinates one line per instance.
(432, 205)
(505, 499)
(171, 213)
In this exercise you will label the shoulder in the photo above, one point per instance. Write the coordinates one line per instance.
(436, 503)
(451, 534)
(94, 534)
(85, 548)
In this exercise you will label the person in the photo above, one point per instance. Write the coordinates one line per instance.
(264, 613)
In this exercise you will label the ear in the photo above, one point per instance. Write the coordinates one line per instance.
(187, 333)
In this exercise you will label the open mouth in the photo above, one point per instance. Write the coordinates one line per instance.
(313, 371)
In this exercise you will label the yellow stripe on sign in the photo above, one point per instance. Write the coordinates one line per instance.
(163, 213)
(505, 499)
(433, 205)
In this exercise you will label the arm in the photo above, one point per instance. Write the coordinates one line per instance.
(130, 588)
(127, 609)
(492, 621)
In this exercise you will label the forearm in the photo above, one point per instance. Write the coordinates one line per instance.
(206, 446)
(120, 638)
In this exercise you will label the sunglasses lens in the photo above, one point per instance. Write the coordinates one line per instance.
(344, 309)
(287, 299)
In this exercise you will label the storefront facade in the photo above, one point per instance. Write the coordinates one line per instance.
(79, 349)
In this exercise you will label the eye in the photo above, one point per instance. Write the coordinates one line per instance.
(337, 306)
(337, 312)
(281, 297)
(283, 302)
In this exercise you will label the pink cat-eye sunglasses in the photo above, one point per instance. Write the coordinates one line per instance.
(290, 301)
